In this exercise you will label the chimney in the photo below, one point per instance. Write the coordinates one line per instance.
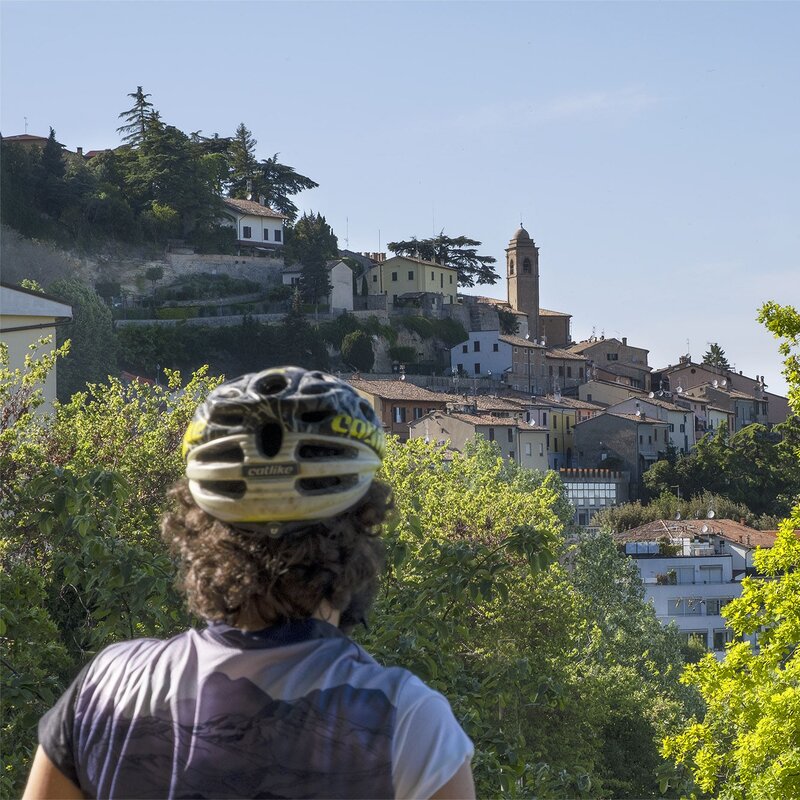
(624, 341)
(262, 200)
(80, 151)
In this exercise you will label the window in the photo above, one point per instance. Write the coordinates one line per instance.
(715, 605)
(555, 444)
(641, 439)
(711, 574)
(511, 267)
(685, 606)
(476, 346)
(721, 637)
(612, 356)
(459, 368)
(589, 398)
(441, 281)
(671, 428)
(682, 428)
(550, 370)
(491, 434)
(544, 418)
(432, 276)
(464, 348)
(451, 283)
(247, 232)
(541, 449)
(394, 276)
(510, 434)
(375, 278)
(555, 423)
(569, 372)
(548, 441)
(266, 234)
(526, 265)
(495, 347)
(695, 637)
(649, 440)
(399, 414)
(527, 448)
(477, 368)
(278, 236)
(580, 374)
(411, 274)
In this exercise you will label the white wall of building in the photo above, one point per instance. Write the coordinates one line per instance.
(341, 296)
(481, 354)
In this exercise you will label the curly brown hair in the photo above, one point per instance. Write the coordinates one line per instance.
(226, 570)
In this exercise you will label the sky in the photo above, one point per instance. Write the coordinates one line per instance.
(649, 148)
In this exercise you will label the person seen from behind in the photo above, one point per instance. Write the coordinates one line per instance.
(276, 531)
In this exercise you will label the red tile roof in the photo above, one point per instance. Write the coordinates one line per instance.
(725, 528)
(519, 342)
(546, 312)
(398, 390)
(251, 207)
(557, 352)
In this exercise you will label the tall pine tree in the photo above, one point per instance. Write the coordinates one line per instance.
(135, 118)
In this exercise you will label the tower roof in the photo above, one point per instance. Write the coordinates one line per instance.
(520, 237)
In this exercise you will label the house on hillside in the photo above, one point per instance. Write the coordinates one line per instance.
(612, 359)
(340, 275)
(259, 229)
(679, 417)
(691, 569)
(398, 403)
(25, 317)
(404, 278)
(484, 352)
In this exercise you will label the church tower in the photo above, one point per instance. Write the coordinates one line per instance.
(522, 272)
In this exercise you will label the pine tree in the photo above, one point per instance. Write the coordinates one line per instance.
(52, 190)
(715, 357)
(312, 243)
(135, 118)
(243, 165)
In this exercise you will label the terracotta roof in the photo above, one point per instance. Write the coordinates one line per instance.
(721, 410)
(486, 420)
(657, 401)
(24, 137)
(251, 207)
(517, 341)
(492, 301)
(574, 402)
(546, 312)
(626, 386)
(398, 390)
(725, 528)
(557, 352)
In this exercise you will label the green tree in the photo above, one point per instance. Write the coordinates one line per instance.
(135, 119)
(92, 356)
(460, 252)
(278, 182)
(300, 342)
(357, 351)
(243, 163)
(747, 743)
(715, 357)
(52, 188)
(312, 243)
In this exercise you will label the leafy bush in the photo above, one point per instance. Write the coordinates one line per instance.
(181, 312)
(357, 351)
(403, 354)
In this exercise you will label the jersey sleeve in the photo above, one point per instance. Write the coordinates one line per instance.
(56, 729)
(429, 745)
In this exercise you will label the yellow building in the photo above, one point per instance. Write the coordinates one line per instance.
(404, 275)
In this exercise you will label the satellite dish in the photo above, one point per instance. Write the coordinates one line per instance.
(715, 383)
(724, 383)
(711, 514)
(678, 515)
(704, 529)
(638, 412)
(533, 423)
(679, 390)
(651, 395)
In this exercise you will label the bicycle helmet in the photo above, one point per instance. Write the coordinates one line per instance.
(280, 446)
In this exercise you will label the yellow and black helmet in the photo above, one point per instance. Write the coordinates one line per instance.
(282, 445)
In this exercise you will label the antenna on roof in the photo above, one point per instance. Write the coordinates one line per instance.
(347, 233)
(26, 124)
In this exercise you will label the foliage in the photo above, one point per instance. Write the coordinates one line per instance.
(92, 357)
(448, 331)
(755, 467)
(747, 744)
(560, 672)
(715, 357)
(204, 286)
(509, 322)
(135, 118)
(403, 354)
(357, 351)
(312, 243)
(459, 252)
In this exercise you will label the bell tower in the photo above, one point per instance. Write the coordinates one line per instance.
(522, 273)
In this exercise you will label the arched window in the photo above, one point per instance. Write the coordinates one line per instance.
(526, 265)
(511, 266)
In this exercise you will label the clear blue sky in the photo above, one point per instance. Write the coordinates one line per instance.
(651, 149)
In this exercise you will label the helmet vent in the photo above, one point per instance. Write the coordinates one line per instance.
(230, 417)
(366, 409)
(316, 416)
(233, 489)
(316, 388)
(270, 439)
(319, 452)
(272, 384)
(327, 484)
(226, 453)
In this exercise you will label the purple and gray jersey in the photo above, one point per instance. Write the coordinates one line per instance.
(293, 711)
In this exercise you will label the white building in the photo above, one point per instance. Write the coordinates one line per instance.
(340, 274)
(257, 225)
(691, 569)
(25, 317)
(482, 353)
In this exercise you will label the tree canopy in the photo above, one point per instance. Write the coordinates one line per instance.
(460, 252)
(311, 242)
(746, 746)
(715, 357)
